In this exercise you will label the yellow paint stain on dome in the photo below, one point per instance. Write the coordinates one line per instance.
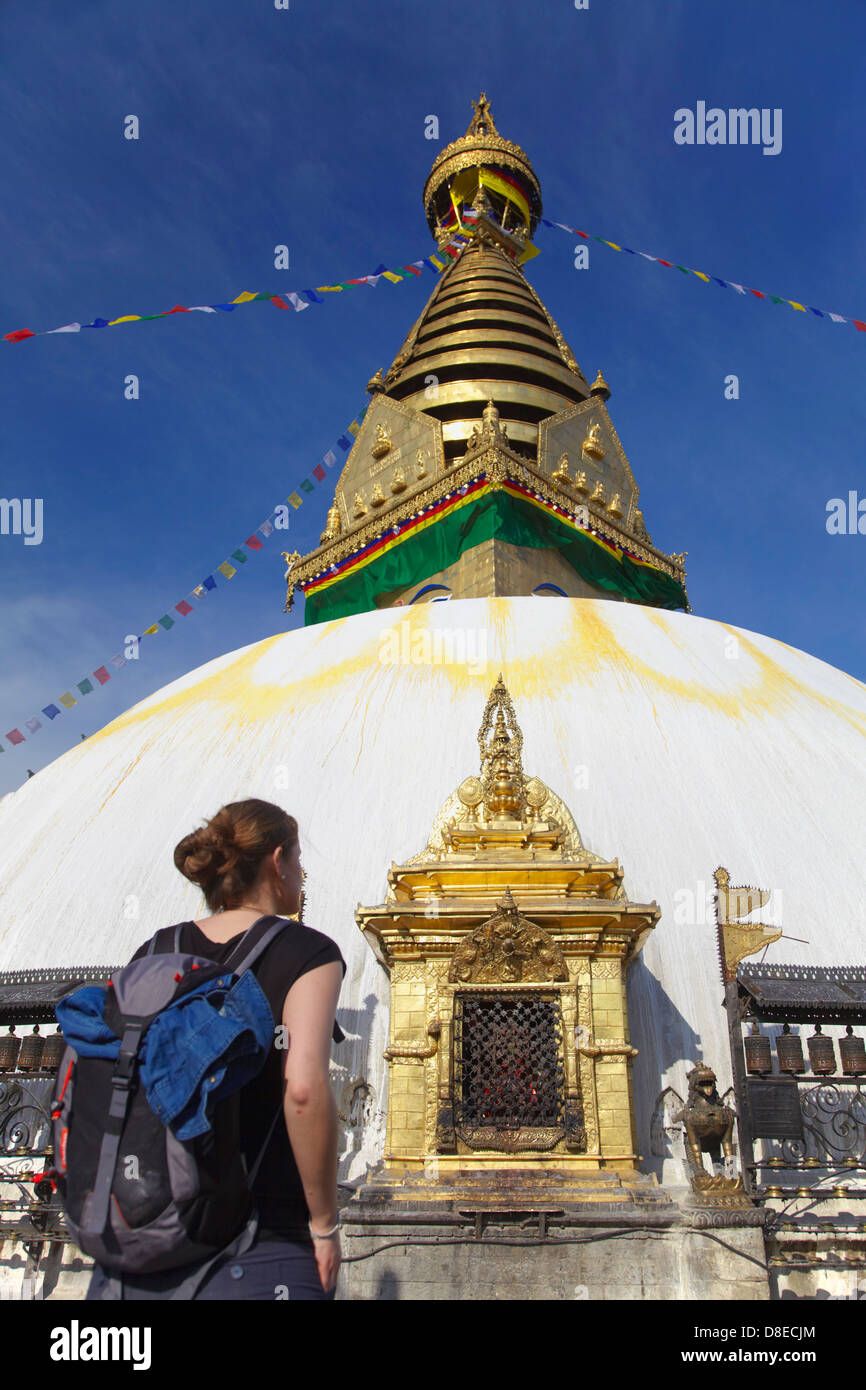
(581, 645)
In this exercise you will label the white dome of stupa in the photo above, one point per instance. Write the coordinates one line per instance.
(678, 744)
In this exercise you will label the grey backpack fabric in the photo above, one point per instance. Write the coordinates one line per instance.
(189, 1202)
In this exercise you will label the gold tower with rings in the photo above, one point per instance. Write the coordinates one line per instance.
(486, 413)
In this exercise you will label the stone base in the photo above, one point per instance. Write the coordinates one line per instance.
(543, 1235)
(42, 1269)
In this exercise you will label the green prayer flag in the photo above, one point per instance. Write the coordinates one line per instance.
(85, 687)
(307, 485)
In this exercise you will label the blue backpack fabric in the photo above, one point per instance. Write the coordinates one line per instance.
(147, 1107)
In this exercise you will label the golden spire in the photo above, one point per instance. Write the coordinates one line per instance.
(599, 387)
(482, 122)
(501, 755)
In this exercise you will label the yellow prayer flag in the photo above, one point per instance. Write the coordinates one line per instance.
(226, 569)
(149, 630)
(794, 305)
(529, 252)
(440, 265)
(614, 245)
(67, 700)
(701, 276)
(243, 297)
(354, 428)
(295, 500)
(321, 289)
(491, 180)
(389, 275)
(127, 318)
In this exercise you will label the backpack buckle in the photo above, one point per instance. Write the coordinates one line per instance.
(122, 1074)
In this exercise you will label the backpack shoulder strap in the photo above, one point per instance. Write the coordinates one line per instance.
(165, 940)
(271, 928)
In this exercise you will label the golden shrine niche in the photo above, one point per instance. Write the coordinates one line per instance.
(507, 943)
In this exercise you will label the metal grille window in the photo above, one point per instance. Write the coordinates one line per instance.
(508, 1062)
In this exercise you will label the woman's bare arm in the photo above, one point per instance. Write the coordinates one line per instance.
(309, 1106)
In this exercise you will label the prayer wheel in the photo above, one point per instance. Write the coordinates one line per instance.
(789, 1050)
(822, 1054)
(52, 1051)
(30, 1056)
(9, 1046)
(758, 1056)
(852, 1050)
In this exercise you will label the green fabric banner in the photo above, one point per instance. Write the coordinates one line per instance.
(510, 518)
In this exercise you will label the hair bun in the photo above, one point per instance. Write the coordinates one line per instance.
(224, 856)
(206, 853)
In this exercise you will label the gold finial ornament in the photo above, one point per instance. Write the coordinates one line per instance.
(376, 384)
(398, 482)
(598, 388)
(592, 444)
(383, 442)
(501, 754)
(482, 122)
(333, 526)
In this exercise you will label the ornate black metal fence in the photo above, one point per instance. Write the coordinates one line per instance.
(509, 1086)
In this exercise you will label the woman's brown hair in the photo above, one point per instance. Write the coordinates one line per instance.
(225, 855)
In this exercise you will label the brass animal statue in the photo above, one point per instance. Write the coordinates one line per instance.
(709, 1125)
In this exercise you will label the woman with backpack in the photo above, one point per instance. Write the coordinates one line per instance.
(246, 860)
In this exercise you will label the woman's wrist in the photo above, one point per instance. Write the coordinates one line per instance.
(327, 1233)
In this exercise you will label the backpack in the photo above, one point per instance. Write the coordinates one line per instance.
(136, 1198)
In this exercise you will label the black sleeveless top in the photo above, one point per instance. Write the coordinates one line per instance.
(278, 1189)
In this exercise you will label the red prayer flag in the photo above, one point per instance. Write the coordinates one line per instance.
(253, 542)
(661, 262)
(183, 607)
(413, 269)
(757, 294)
(583, 234)
(102, 675)
(319, 472)
(861, 327)
(280, 303)
(178, 309)
(16, 736)
(18, 335)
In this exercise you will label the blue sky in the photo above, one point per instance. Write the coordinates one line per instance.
(260, 127)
